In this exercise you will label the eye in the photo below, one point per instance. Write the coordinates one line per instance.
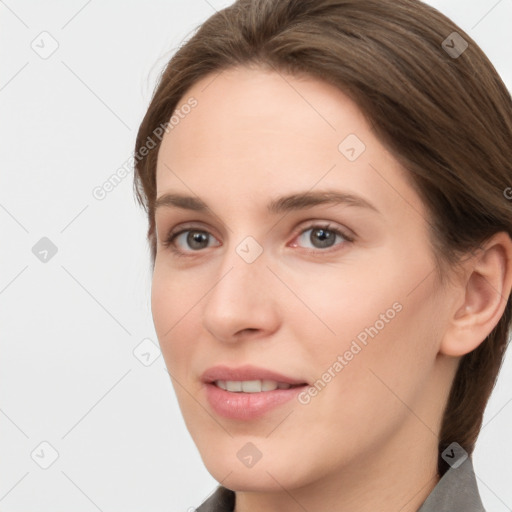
(321, 237)
(188, 240)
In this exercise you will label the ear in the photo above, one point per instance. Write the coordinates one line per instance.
(485, 290)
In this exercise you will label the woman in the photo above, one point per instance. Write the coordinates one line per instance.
(326, 188)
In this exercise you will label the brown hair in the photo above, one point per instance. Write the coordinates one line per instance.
(446, 118)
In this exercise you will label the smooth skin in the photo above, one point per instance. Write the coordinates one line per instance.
(368, 441)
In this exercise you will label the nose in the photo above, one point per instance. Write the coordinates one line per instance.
(243, 301)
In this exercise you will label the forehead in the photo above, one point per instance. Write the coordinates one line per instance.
(256, 131)
(262, 105)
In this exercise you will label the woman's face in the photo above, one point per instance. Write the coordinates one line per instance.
(300, 259)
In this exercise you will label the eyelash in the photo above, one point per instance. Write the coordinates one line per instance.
(168, 242)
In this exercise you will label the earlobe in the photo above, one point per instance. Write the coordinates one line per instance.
(485, 293)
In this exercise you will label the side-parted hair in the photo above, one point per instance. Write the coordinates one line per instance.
(447, 118)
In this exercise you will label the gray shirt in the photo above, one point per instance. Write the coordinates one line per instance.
(456, 491)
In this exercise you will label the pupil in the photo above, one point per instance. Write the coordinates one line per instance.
(196, 238)
(324, 236)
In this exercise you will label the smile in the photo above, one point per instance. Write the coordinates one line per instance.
(252, 386)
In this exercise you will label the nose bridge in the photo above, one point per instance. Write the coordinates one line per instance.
(244, 263)
(240, 298)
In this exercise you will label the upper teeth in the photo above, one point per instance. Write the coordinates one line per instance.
(251, 386)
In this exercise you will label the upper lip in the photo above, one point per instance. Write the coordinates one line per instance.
(247, 372)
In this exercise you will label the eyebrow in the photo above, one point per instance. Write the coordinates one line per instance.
(276, 206)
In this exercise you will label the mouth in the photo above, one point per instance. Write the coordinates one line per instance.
(253, 386)
(247, 393)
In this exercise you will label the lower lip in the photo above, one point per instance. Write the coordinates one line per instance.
(247, 406)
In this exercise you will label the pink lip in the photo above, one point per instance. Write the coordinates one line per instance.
(246, 406)
(246, 372)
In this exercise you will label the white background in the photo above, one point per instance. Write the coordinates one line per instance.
(68, 327)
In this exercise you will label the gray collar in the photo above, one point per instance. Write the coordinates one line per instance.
(222, 500)
(456, 491)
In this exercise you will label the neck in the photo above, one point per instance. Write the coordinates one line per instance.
(399, 477)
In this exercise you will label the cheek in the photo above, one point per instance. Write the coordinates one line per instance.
(371, 322)
(173, 305)
(339, 307)
(163, 304)
(174, 292)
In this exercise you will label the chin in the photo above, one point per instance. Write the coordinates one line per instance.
(270, 473)
(250, 479)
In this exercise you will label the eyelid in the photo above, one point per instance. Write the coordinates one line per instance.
(347, 234)
(187, 226)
